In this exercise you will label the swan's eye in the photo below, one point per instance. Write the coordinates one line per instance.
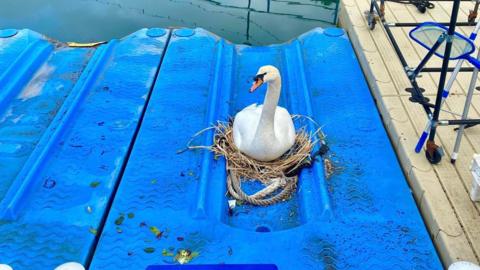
(259, 76)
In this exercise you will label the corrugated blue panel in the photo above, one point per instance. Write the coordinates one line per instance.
(28, 115)
(361, 218)
(65, 135)
(13, 47)
(74, 121)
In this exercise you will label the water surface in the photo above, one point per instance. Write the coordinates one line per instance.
(256, 22)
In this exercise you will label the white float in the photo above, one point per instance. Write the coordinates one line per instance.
(475, 168)
(70, 266)
(5, 267)
(463, 266)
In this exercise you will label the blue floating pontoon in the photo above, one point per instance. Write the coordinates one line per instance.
(90, 167)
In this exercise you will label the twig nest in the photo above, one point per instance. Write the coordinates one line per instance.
(279, 176)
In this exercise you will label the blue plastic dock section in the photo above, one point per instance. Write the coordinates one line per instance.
(64, 137)
(90, 167)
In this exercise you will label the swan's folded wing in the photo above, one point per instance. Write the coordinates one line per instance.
(237, 135)
(245, 124)
(253, 107)
(284, 128)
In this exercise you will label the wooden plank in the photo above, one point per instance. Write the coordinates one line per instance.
(449, 176)
(470, 142)
(450, 241)
(384, 48)
(366, 53)
(451, 182)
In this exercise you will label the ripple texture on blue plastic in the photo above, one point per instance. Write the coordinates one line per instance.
(70, 118)
(364, 217)
(93, 170)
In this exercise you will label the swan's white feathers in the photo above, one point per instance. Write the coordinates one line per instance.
(246, 123)
(277, 133)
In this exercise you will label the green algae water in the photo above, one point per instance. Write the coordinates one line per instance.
(255, 22)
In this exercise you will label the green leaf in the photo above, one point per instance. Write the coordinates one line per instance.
(94, 184)
(156, 231)
(118, 229)
(92, 230)
(119, 220)
(165, 252)
(149, 250)
(154, 181)
(130, 215)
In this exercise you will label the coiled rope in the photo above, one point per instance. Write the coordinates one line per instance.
(264, 197)
(279, 177)
(421, 5)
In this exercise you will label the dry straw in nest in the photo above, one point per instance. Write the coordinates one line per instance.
(279, 176)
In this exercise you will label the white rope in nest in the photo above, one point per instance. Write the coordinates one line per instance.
(279, 177)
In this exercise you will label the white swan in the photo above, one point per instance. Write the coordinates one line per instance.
(264, 132)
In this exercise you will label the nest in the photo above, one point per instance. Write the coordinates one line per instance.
(279, 176)
(252, 169)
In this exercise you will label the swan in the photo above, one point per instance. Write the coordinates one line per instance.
(264, 132)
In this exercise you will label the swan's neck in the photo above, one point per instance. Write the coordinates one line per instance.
(266, 129)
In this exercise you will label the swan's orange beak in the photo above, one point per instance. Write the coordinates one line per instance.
(256, 84)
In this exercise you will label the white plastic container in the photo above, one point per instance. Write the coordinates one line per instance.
(475, 168)
(5, 267)
(463, 265)
(70, 266)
